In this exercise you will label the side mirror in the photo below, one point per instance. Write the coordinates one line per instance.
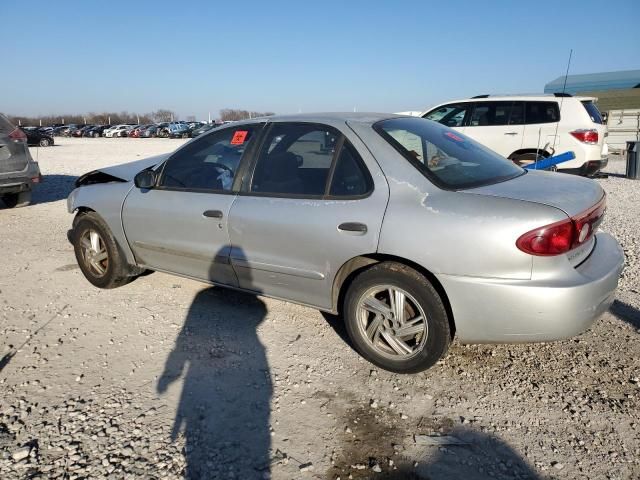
(146, 179)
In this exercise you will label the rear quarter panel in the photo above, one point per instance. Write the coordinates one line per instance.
(449, 232)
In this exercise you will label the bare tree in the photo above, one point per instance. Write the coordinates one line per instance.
(164, 115)
(231, 114)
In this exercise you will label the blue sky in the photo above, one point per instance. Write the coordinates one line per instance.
(199, 56)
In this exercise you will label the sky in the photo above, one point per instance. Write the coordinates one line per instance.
(195, 57)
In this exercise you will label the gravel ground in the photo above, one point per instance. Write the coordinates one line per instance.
(167, 378)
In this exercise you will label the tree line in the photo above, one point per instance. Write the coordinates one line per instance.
(113, 118)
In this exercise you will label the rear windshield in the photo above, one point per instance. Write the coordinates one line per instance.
(448, 158)
(593, 112)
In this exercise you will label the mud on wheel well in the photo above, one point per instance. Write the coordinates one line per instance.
(356, 265)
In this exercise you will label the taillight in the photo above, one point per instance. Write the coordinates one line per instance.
(560, 237)
(18, 136)
(589, 136)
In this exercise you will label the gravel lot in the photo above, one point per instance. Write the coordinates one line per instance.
(167, 378)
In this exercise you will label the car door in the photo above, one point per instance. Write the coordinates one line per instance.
(314, 199)
(180, 226)
(497, 125)
(541, 129)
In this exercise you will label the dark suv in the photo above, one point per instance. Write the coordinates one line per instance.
(18, 171)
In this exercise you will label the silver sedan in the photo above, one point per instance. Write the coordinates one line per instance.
(410, 231)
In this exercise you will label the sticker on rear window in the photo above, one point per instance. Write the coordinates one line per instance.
(239, 137)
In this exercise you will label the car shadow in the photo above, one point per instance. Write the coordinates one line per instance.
(482, 456)
(626, 313)
(224, 407)
(52, 189)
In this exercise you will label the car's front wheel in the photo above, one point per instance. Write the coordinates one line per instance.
(98, 254)
(44, 142)
(396, 319)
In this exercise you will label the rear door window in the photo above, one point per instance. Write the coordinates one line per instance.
(350, 177)
(309, 160)
(593, 111)
(541, 112)
(295, 159)
(490, 114)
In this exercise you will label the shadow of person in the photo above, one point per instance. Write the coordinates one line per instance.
(626, 313)
(224, 407)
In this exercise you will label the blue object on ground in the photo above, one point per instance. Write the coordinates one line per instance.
(551, 161)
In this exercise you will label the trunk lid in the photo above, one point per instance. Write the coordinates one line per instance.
(571, 194)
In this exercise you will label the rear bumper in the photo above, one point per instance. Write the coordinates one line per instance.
(588, 168)
(20, 181)
(513, 311)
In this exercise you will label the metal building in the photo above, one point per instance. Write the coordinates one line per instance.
(615, 90)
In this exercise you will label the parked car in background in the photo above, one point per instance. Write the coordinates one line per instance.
(137, 132)
(116, 131)
(203, 129)
(149, 132)
(59, 130)
(37, 137)
(178, 130)
(97, 131)
(410, 230)
(128, 130)
(68, 130)
(82, 131)
(526, 128)
(18, 172)
(46, 130)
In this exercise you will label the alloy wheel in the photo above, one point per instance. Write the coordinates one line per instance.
(392, 322)
(94, 252)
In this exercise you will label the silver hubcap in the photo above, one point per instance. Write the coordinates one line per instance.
(392, 321)
(94, 252)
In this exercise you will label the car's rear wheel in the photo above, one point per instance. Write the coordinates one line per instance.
(44, 142)
(17, 200)
(98, 254)
(396, 319)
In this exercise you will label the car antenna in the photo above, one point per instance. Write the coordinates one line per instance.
(562, 95)
(564, 88)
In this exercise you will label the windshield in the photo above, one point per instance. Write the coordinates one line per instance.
(446, 157)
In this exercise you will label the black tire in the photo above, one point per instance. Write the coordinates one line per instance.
(433, 343)
(117, 272)
(44, 142)
(17, 200)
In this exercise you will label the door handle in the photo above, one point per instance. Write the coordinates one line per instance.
(510, 133)
(212, 213)
(353, 227)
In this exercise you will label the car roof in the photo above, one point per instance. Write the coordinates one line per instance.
(356, 117)
(524, 97)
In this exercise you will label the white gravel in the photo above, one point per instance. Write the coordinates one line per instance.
(166, 378)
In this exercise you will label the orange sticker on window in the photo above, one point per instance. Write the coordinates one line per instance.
(239, 137)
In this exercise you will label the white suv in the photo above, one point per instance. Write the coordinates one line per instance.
(526, 128)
